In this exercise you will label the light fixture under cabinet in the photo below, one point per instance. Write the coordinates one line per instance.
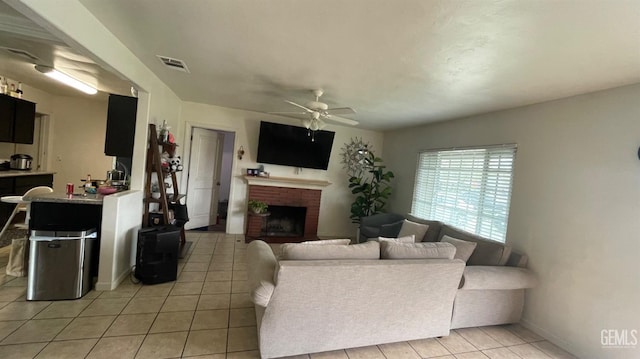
(66, 79)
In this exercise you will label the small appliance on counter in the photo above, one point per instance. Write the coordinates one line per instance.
(117, 179)
(5, 164)
(21, 162)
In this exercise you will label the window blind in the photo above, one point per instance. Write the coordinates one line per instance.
(467, 188)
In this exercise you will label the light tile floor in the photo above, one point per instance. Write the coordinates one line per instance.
(205, 313)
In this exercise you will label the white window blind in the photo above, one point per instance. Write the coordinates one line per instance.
(467, 188)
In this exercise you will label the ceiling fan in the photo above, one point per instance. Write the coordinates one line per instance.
(317, 112)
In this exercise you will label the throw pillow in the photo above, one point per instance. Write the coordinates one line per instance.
(426, 250)
(417, 229)
(298, 251)
(329, 241)
(390, 230)
(464, 249)
(406, 239)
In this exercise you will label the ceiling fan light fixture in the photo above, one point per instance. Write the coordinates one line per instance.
(66, 79)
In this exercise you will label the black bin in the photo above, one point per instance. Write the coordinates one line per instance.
(157, 254)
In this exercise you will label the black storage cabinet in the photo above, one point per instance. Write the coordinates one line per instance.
(157, 254)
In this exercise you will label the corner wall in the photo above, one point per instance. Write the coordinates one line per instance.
(574, 207)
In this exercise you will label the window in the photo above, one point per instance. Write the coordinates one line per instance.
(467, 188)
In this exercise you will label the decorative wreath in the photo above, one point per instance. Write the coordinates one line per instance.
(353, 155)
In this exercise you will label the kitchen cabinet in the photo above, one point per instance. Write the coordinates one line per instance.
(121, 126)
(24, 183)
(17, 120)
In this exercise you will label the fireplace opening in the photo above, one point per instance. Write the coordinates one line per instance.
(285, 221)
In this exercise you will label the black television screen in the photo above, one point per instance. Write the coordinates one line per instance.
(286, 145)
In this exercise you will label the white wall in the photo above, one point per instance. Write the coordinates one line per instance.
(574, 207)
(78, 135)
(336, 199)
(117, 256)
(226, 167)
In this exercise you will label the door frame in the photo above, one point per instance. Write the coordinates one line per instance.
(184, 180)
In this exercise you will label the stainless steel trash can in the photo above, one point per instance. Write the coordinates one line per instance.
(59, 264)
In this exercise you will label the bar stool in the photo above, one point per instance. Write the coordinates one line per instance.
(21, 206)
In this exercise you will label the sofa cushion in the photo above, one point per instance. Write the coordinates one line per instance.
(329, 241)
(487, 253)
(428, 250)
(432, 231)
(298, 251)
(390, 230)
(369, 231)
(406, 239)
(417, 229)
(464, 249)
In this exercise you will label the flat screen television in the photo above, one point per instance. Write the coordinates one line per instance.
(287, 145)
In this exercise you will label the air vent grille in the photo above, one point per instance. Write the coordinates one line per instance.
(174, 64)
(22, 53)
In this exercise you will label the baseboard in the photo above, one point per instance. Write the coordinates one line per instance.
(553, 338)
(108, 286)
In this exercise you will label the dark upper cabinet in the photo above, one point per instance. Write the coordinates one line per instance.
(121, 126)
(25, 120)
(17, 118)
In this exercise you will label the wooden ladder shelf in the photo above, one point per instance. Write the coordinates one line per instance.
(154, 165)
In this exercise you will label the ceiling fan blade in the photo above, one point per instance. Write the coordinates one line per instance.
(343, 120)
(341, 111)
(288, 113)
(302, 107)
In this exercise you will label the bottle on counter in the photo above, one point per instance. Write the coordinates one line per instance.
(13, 92)
(19, 90)
(4, 88)
(87, 182)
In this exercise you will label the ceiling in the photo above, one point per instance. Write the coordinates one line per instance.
(397, 63)
(38, 46)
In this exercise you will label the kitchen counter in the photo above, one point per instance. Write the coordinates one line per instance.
(56, 197)
(19, 173)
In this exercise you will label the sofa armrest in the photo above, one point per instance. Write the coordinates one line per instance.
(261, 270)
(497, 278)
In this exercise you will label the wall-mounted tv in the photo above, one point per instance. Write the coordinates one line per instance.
(286, 145)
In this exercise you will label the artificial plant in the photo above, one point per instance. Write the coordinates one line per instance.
(369, 179)
(257, 206)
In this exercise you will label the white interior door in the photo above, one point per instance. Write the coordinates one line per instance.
(205, 146)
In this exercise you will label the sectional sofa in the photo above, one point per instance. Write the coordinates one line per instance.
(316, 298)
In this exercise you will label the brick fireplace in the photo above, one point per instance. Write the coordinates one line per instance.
(281, 192)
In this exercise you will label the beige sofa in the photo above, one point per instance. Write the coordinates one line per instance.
(314, 305)
(493, 285)
(308, 306)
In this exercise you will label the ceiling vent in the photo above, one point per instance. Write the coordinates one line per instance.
(174, 64)
(22, 53)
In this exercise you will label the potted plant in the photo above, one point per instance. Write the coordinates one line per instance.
(257, 207)
(371, 187)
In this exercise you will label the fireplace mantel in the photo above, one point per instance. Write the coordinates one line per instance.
(286, 182)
